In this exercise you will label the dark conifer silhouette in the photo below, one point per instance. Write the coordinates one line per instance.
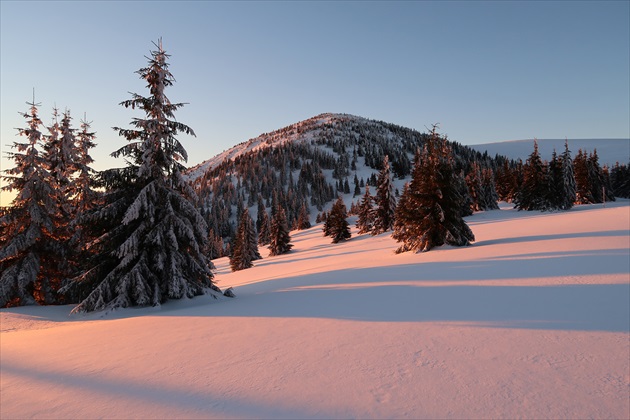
(534, 191)
(429, 211)
(264, 234)
(280, 239)
(245, 248)
(385, 201)
(365, 219)
(336, 225)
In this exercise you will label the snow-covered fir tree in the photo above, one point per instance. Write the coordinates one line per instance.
(279, 237)
(365, 213)
(30, 252)
(153, 238)
(63, 158)
(336, 225)
(85, 197)
(384, 200)
(85, 194)
(429, 211)
(245, 245)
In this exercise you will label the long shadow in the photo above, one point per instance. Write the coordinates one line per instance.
(408, 293)
(573, 307)
(535, 238)
(412, 293)
(198, 402)
(520, 266)
(508, 213)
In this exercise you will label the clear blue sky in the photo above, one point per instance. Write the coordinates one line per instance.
(486, 71)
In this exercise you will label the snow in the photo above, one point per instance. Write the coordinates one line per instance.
(532, 321)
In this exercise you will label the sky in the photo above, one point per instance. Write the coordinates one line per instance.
(485, 71)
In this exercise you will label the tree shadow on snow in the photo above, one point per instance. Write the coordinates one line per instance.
(408, 293)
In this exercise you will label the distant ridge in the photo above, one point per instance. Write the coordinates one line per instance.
(608, 150)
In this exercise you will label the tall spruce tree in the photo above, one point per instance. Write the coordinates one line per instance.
(336, 225)
(568, 188)
(473, 181)
(303, 221)
(489, 195)
(555, 181)
(429, 211)
(583, 187)
(30, 252)
(385, 201)
(245, 248)
(85, 194)
(365, 219)
(152, 239)
(620, 180)
(264, 234)
(506, 183)
(534, 191)
(280, 239)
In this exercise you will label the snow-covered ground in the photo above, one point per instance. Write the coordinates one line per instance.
(532, 321)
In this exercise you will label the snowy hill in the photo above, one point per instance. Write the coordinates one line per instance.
(309, 164)
(609, 151)
(532, 321)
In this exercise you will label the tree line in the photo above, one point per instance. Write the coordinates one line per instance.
(143, 234)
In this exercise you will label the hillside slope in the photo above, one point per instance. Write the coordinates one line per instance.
(310, 163)
(532, 321)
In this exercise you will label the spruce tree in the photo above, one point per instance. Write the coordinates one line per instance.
(506, 182)
(555, 182)
(30, 252)
(280, 239)
(245, 246)
(428, 213)
(473, 181)
(385, 201)
(466, 207)
(568, 187)
(303, 221)
(620, 180)
(264, 234)
(336, 225)
(85, 194)
(365, 219)
(251, 237)
(153, 238)
(489, 194)
(259, 212)
(583, 187)
(215, 245)
(534, 192)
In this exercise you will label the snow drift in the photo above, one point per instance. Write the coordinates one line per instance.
(532, 321)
